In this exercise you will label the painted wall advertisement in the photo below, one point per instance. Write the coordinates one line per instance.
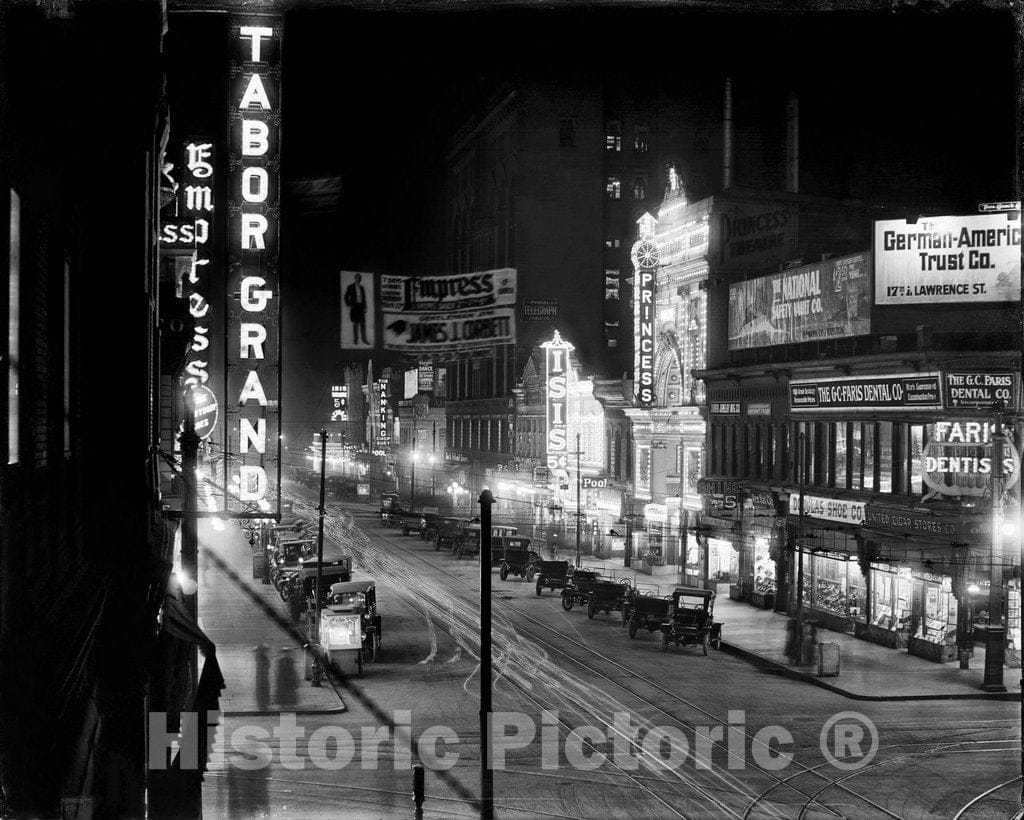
(753, 233)
(826, 300)
(948, 260)
(425, 314)
(540, 310)
(252, 442)
(917, 390)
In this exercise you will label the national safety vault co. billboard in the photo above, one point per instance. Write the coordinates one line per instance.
(948, 260)
(425, 314)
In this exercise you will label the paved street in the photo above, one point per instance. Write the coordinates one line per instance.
(557, 673)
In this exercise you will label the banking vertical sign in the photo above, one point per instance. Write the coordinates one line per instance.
(556, 357)
(252, 442)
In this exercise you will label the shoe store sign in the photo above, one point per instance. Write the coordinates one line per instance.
(828, 509)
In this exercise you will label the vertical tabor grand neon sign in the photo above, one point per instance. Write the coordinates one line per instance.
(253, 305)
(645, 261)
(556, 354)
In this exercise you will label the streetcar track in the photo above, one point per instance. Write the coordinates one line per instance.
(582, 644)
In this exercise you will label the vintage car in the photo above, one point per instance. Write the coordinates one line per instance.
(388, 503)
(285, 557)
(299, 591)
(646, 610)
(690, 620)
(469, 543)
(350, 621)
(551, 574)
(444, 531)
(516, 557)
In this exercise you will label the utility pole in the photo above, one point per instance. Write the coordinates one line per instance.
(412, 477)
(189, 522)
(579, 512)
(486, 773)
(318, 670)
(995, 635)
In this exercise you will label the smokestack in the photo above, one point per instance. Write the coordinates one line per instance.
(793, 143)
(727, 136)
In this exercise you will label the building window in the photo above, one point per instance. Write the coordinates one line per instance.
(640, 139)
(613, 188)
(613, 343)
(13, 328)
(67, 358)
(611, 284)
(612, 242)
(841, 452)
(639, 187)
(915, 442)
(613, 135)
(567, 133)
(885, 460)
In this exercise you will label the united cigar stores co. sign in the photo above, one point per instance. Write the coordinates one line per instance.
(957, 460)
(253, 327)
(556, 356)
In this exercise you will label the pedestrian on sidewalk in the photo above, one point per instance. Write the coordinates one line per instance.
(810, 643)
(792, 642)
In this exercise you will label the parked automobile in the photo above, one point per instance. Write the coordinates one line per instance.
(691, 620)
(444, 531)
(350, 621)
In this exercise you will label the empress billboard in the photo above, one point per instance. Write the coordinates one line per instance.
(826, 300)
(948, 260)
(425, 314)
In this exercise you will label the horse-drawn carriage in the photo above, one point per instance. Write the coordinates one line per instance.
(690, 620)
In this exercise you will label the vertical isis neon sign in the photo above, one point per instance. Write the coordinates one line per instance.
(253, 307)
(556, 355)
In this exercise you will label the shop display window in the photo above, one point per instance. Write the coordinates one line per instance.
(828, 590)
(940, 609)
(856, 592)
(764, 568)
(891, 597)
(723, 560)
(1013, 627)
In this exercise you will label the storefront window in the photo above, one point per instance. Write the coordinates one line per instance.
(828, 591)
(890, 597)
(764, 568)
(840, 454)
(885, 460)
(723, 561)
(856, 592)
(939, 623)
(868, 450)
(916, 448)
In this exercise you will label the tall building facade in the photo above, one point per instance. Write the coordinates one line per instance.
(550, 180)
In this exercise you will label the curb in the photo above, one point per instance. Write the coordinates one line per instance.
(794, 674)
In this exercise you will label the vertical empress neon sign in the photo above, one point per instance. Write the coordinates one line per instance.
(253, 305)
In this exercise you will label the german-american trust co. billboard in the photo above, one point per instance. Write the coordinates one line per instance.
(948, 260)
(252, 442)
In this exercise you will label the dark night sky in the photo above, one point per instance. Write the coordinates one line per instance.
(374, 97)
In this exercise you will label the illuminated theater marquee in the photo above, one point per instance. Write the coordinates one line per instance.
(645, 258)
(253, 373)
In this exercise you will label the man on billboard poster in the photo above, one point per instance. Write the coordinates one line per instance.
(357, 320)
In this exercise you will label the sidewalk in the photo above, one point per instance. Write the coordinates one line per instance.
(259, 652)
(867, 671)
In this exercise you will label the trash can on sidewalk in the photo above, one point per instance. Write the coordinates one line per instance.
(828, 660)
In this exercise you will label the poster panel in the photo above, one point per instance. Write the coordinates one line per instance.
(826, 300)
(358, 311)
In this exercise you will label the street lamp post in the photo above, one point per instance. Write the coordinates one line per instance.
(317, 671)
(995, 634)
(579, 512)
(412, 477)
